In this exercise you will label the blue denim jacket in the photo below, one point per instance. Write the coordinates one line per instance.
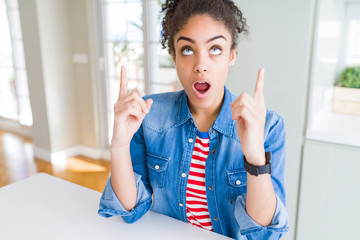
(161, 151)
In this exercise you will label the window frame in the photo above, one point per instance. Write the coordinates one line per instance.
(15, 125)
(150, 61)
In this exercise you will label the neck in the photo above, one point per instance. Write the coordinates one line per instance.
(205, 117)
(206, 113)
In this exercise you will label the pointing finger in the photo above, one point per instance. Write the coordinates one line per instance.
(123, 83)
(259, 87)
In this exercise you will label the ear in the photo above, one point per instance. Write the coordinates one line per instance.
(173, 58)
(232, 56)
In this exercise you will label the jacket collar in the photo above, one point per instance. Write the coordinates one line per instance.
(223, 123)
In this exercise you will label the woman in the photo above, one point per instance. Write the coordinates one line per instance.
(200, 155)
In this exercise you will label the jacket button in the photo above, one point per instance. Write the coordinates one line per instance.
(238, 182)
(181, 205)
(190, 140)
(183, 174)
(213, 151)
(216, 219)
(211, 188)
(212, 131)
(157, 167)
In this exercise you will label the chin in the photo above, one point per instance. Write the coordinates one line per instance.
(202, 103)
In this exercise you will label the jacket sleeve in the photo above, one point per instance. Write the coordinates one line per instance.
(274, 142)
(109, 203)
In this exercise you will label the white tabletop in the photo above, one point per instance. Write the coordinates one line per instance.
(46, 207)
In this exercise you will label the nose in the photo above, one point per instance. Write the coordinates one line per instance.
(200, 65)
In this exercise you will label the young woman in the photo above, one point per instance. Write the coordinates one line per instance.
(200, 155)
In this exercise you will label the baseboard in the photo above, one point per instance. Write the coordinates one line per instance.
(15, 127)
(71, 152)
(94, 153)
(42, 154)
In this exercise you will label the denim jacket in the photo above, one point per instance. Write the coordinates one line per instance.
(161, 152)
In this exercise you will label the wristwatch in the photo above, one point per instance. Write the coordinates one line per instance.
(257, 170)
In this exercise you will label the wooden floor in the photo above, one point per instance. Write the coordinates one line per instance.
(17, 162)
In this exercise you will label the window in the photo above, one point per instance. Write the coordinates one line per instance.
(336, 46)
(353, 44)
(14, 93)
(353, 57)
(133, 42)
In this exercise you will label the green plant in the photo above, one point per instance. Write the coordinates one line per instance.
(350, 77)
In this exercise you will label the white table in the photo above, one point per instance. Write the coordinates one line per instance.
(46, 207)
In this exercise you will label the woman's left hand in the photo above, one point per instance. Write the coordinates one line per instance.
(250, 114)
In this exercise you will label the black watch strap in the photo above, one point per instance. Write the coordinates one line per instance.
(257, 170)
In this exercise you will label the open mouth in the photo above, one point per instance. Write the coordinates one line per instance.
(201, 87)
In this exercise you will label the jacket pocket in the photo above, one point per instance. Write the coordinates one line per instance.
(237, 183)
(157, 165)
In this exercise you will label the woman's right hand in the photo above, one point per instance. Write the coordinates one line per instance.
(129, 112)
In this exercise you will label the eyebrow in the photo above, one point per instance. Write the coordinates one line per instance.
(192, 41)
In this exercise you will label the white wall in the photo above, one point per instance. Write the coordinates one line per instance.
(280, 40)
(56, 49)
(61, 90)
(82, 72)
(33, 58)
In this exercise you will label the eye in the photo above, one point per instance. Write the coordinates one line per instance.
(186, 51)
(215, 50)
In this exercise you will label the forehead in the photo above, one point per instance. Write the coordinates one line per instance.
(201, 28)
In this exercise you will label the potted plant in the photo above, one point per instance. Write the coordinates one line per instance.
(346, 96)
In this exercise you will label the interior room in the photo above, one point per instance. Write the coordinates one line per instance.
(60, 64)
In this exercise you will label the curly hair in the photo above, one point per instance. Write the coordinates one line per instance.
(178, 12)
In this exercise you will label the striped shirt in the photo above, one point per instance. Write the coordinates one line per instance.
(197, 212)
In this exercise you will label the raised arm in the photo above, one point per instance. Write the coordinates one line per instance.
(250, 113)
(129, 112)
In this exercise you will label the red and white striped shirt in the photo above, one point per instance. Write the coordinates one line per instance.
(197, 212)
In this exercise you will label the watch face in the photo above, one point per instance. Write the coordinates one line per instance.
(268, 157)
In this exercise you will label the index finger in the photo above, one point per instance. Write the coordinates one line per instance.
(259, 87)
(123, 82)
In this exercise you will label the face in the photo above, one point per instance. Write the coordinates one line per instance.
(202, 59)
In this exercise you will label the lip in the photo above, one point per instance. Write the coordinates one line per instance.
(198, 94)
